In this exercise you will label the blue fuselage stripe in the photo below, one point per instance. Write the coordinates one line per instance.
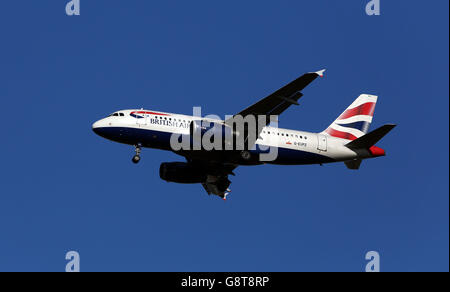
(362, 126)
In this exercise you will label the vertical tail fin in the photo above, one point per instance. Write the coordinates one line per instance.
(355, 121)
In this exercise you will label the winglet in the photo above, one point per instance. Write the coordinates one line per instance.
(320, 73)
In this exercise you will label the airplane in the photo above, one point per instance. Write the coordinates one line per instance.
(346, 140)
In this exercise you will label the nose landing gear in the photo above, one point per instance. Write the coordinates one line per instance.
(136, 158)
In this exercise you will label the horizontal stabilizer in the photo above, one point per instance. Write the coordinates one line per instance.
(371, 138)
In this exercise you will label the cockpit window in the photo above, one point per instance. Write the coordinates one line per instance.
(117, 115)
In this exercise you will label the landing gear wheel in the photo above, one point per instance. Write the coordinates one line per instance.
(246, 155)
(136, 159)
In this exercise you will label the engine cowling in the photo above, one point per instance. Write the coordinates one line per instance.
(181, 172)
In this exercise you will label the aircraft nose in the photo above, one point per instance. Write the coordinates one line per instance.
(97, 127)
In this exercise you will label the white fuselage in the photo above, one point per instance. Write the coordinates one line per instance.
(155, 129)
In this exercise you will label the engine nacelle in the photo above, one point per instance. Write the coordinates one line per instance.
(181, 172)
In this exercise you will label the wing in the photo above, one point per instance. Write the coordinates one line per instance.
(217, 182)
(275, 104)
(282, 99)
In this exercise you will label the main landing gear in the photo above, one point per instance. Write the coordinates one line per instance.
(246, 155)
(136, 158)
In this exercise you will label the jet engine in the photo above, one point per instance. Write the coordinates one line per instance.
(181, 172)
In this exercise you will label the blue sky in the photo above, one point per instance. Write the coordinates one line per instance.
(64, 188)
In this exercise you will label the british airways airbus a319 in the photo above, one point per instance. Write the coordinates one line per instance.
(346, 140)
